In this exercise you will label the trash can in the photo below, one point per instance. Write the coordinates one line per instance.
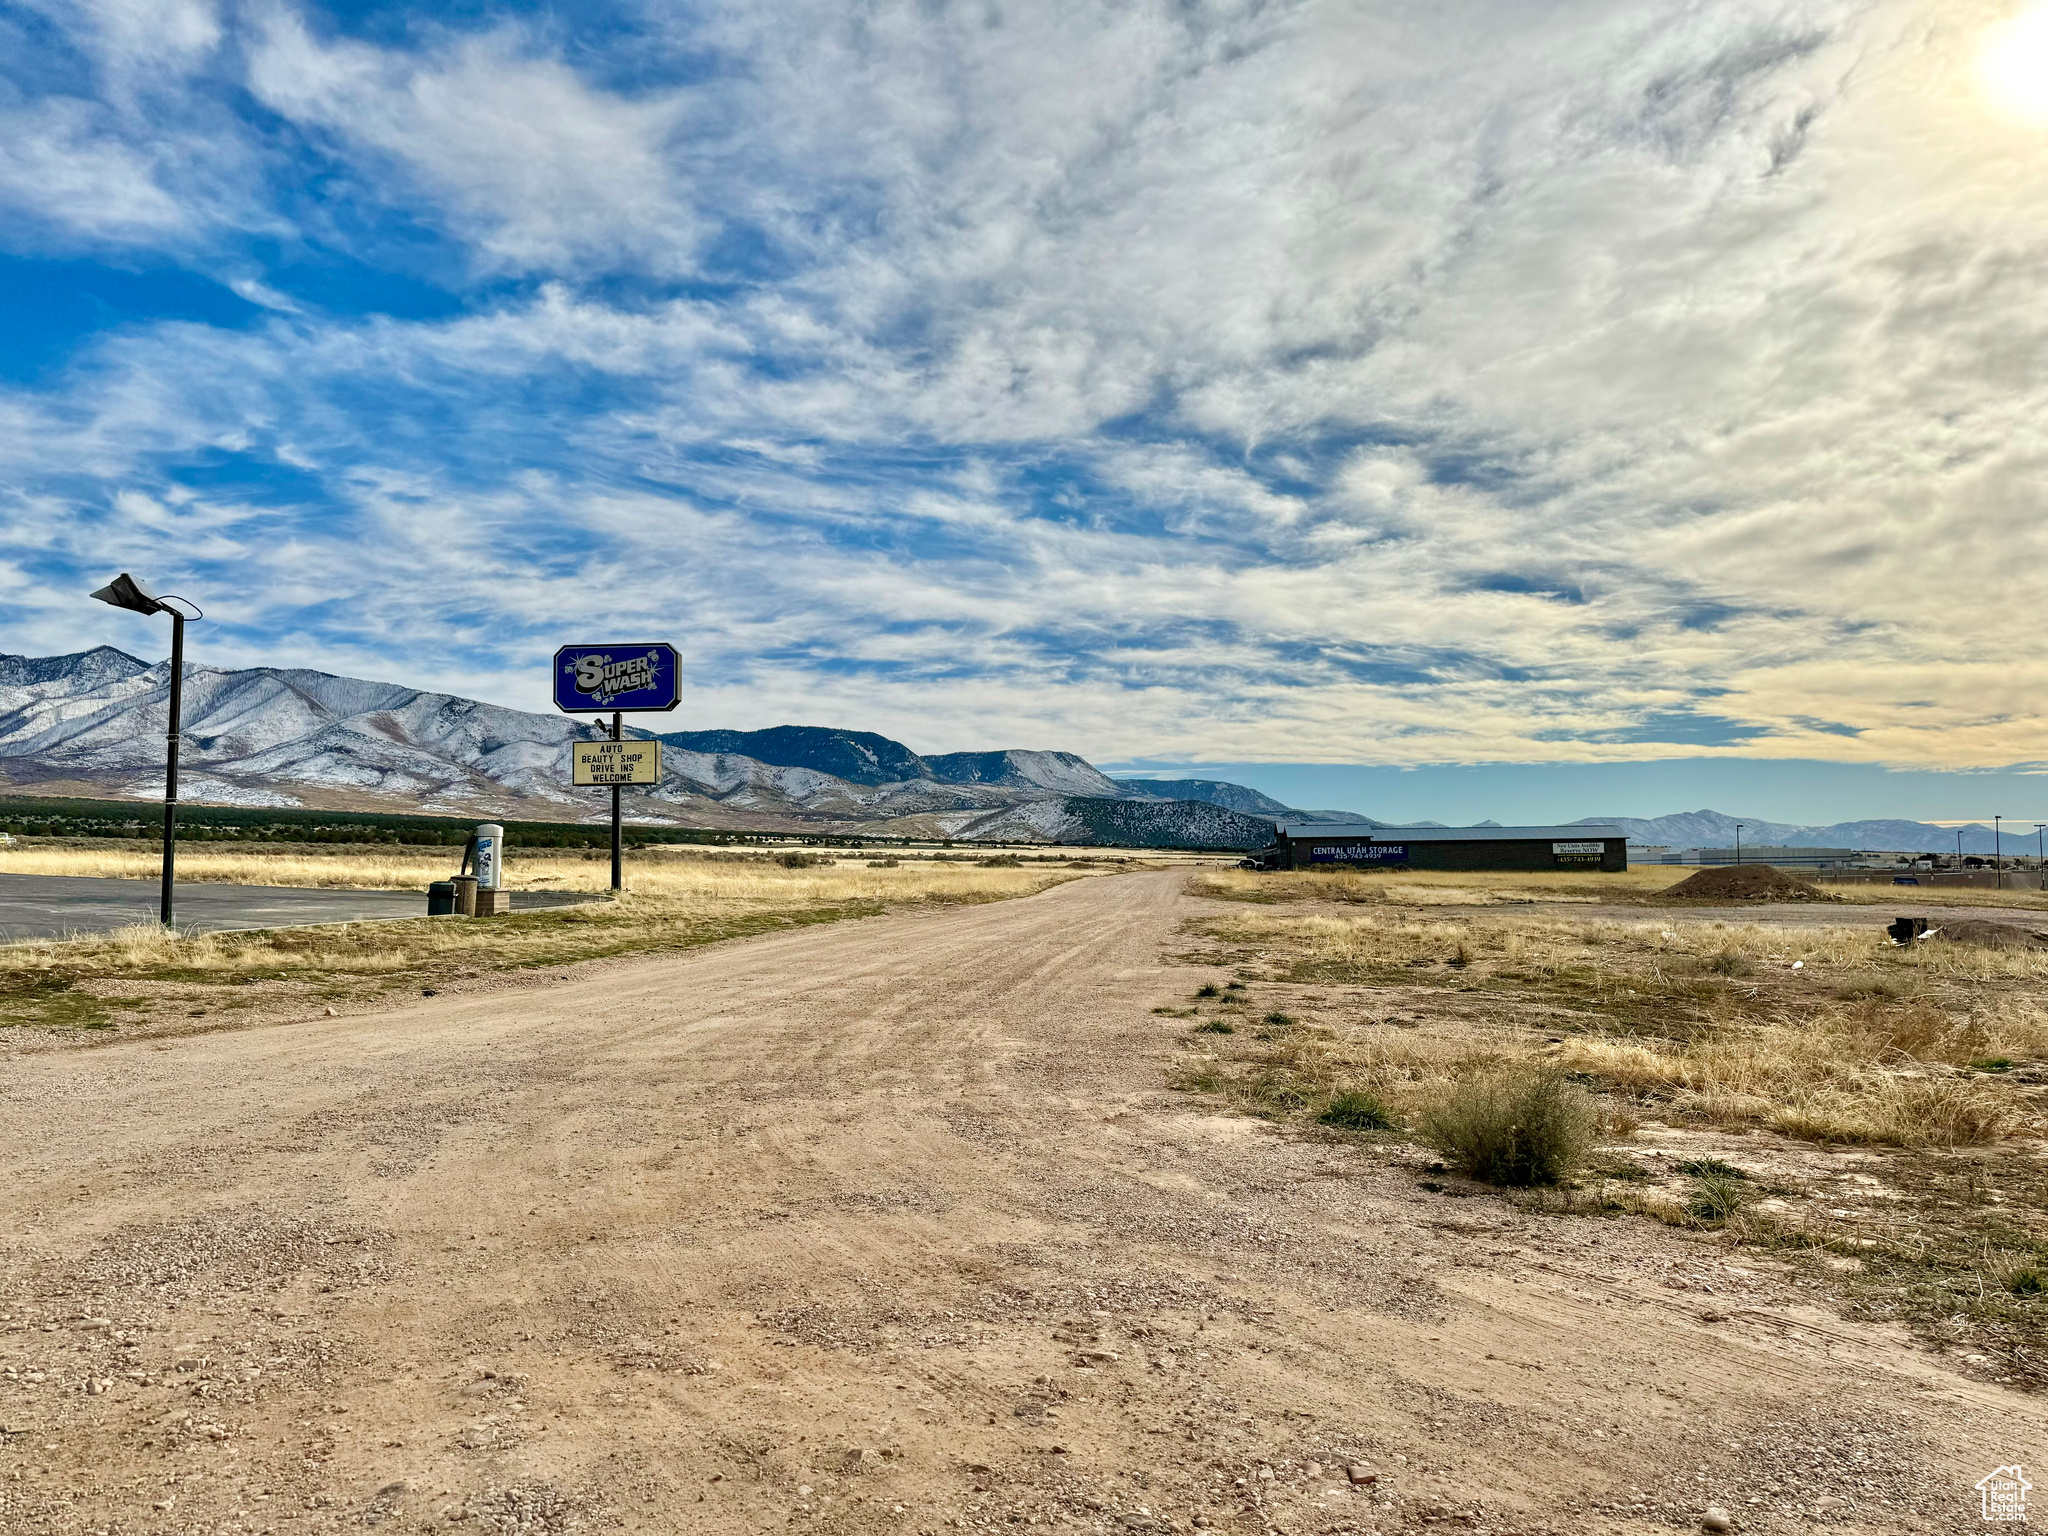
(465, 895)
(441, 898)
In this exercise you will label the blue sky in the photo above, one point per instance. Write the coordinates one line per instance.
(1591, 385)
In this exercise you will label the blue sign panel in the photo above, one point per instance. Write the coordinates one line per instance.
(621, 677)
(1358, 853)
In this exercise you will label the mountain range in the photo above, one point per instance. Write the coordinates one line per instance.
(1713, 829)
(92, 724)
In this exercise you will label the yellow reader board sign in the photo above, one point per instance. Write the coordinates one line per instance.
(615, 762)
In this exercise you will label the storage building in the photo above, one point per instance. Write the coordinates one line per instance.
(1320, 845)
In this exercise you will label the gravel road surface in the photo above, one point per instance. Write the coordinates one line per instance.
(887, 1225)
(59, 906)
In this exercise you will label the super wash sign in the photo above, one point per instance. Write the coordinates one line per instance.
(621, 677)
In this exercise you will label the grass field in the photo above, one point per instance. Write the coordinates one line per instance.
(663, 871)
(142, 977)
(1641, 885)
(1879, 1109)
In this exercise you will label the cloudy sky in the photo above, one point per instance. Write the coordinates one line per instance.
(1581, 383)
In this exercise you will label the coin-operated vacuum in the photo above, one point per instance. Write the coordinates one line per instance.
(479, 889)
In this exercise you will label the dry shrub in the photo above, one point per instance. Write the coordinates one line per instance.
(1622, 1123)
(1899, 1111)
(2014, 1026)
(1918, 1031)
(1513, 1125)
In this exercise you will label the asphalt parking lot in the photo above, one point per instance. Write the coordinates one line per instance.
(61, 906)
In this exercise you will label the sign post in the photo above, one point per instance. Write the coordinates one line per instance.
(640, 678)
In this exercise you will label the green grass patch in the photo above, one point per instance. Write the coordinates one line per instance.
(1716, 1197)
(1620, 1172)
(1709, 1168)
(1357, 1111)
(54, 1002)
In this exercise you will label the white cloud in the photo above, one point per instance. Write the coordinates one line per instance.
(522, 156)
(61, 166)
(1314, 381)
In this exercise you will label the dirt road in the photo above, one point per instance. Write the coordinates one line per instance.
(883, 1226)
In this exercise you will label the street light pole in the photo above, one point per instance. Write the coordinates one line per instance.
(124, 591)
(1997, 856)
(1738, 842)
(171, 766)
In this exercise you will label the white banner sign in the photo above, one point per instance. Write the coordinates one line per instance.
(596, 763)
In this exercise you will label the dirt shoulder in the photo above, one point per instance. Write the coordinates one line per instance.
(875, 1226)
(143, 981)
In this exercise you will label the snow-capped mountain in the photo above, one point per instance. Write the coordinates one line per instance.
(1713, 829)
(1232, 797)
(94, 723)
(101, 719)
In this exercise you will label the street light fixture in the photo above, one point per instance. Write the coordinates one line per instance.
(124, 591)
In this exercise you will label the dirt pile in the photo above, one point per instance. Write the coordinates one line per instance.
(1744, 882)
(1990, 935)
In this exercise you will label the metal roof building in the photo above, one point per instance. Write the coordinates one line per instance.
(1323, 845)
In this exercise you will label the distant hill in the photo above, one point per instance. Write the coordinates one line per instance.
(1017, 769)
(858, 757)
(1232, 797)
(92, 723)
(1125, 823)
(1715, 829)
(1235, 797)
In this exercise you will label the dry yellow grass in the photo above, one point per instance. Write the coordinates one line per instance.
(1434, 888)
(1824, 1033)
(690, 874)
(1840, 953)
(1706, 1036)
(673, 905)
(1880, 1075)
(1424, 887)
